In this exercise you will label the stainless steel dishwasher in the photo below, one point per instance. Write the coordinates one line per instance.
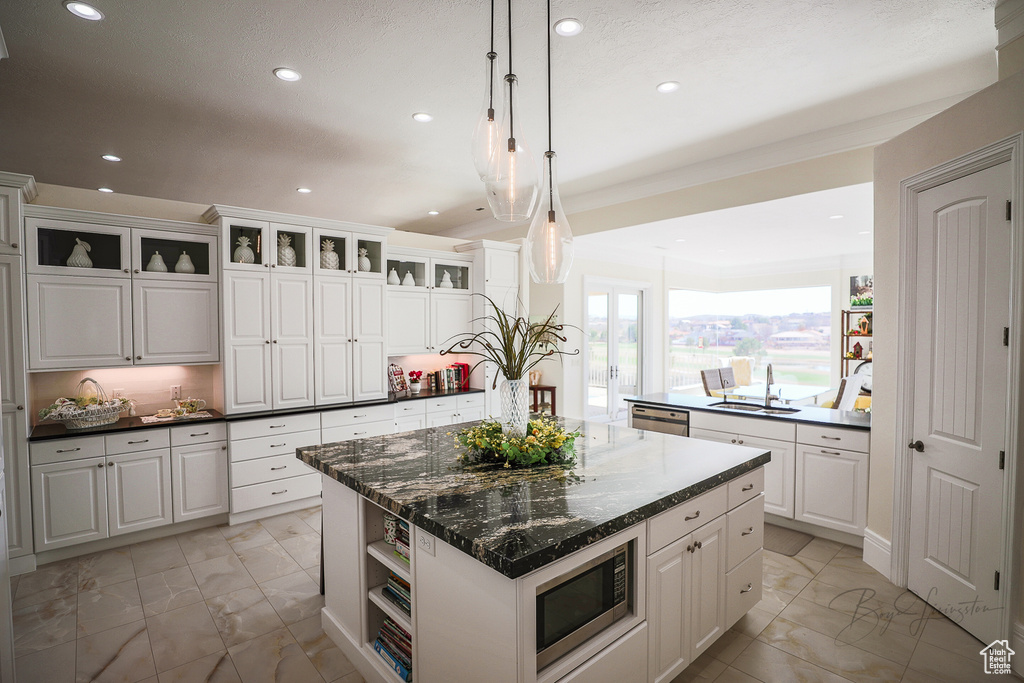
(665, 420)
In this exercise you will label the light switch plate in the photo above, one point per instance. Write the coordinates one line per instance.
(424, 542)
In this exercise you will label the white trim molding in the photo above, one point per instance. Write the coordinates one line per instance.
(878, 553)
(1009, 21)
(27, 184)
(218, 211)
(58, 213)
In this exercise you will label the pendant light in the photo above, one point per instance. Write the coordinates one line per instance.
(511, 180)
(485, 135)
(549, 242)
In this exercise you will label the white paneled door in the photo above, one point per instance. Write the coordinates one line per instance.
(614, 337)
(960, 399)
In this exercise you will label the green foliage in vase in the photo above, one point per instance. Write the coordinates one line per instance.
(545, 443)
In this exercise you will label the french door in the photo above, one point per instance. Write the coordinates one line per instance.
(614, 331)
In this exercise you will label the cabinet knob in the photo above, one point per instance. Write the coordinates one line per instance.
(136, 270)
(689, 548)
(698, 545)
(733, 441)
(21, 407)
(14, 245)
(275, 341)
(110, 464)
(740, 441)
(267, 341)
(266, 265)
(138, 357)
(355, 340)
(100, 465)
(127, 357)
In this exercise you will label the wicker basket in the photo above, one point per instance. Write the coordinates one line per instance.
(86, 419)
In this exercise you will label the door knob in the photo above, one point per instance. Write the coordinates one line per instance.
(917, 446)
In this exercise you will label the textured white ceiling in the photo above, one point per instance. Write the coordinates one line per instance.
(183, 91)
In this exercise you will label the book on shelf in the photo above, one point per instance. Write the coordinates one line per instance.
(396, 599)
(396, 666)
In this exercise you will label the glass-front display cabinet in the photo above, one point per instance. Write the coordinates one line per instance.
(71, 248)
(369, 257)
(450, 275)
(164, 255)
(408, 270)
(245, 244)
(293, 247)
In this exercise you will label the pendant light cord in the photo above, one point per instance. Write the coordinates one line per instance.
(490, 76)
(511, 111)
(549, 75)
(549, 157)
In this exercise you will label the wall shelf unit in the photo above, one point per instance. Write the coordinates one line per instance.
(852, 333)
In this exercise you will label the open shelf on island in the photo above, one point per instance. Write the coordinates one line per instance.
(377, 597)
(384, 553)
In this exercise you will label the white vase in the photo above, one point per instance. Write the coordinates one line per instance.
(156, 264)
(393, 278)
(184, 264)
(515, 407)
(363, 263)
(328, 257)
(285, 252)
(79, 257)
(408, 280)
(243, 254)
(446, 281)
(414, 387)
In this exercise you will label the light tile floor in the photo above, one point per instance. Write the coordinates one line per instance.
(241, 604)
(826, 616)
(237, 604)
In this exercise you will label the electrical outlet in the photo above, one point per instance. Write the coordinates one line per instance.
(424, 541)
(118, 393)
(175, 391)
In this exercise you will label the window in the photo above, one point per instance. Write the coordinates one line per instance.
(789, 328)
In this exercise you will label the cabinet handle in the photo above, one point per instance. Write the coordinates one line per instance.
(358, 416)
(733, 441)
(276, 426)
(747, 487)
(110, 464)
(277, 445)
(689, 548)
(21, 407)
(278, 493)
(357, 433)
(136, 270)
(138, 357)
(100, 465)
(14, 245)
(201, 434)
(749, 531)
(832, 438)
(127, 357)
(282, 467)
(830, 452)
(749, 588)
(143, 441)
(68, 450)
(698, 545)
(275, 341)
(694, 516)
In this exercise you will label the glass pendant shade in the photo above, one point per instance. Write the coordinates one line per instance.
(549, 242)
(485, 135)
(511, 179)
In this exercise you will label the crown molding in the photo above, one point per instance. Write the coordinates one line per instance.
(1009, 20)
(487, 244)
(82, 216)
(26, 183)
(218, 211)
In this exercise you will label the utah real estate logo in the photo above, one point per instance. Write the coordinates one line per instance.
(997, 657)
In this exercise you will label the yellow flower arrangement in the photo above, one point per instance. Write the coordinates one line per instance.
(546, 443)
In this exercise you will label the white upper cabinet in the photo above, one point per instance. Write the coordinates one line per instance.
(292, 248)
(246, 244)
(76, 248)
(246, 342)
(343, 252)
(291, 315)
(501, 268)
(175, 322)
(160, 255)
(332, 339)
(408, 321)
(369, 362)
(10, 220)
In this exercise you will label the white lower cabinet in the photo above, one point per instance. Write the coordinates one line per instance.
(199, 471)
(69, 502)
(623, 660)
(841, 505)
(264, 470)
(138, 491)
(449, 410)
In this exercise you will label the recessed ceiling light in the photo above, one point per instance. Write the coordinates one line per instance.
(668, 86)
(105, 189)
(422, 117)
(864, 232)
(568, 27)
(111, 157)
(83, 10)
(836, 217)
(433, 213)
(680, 240)
(286, 74)
(303, 190)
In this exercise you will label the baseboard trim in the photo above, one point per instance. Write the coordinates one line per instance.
(270, 511)
(815, 530)
(356, 653)
(878, 553)
(23, 564)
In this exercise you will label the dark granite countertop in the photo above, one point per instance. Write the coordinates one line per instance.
(807, 414)
(517, 520)
(47, 431)
(392, 398)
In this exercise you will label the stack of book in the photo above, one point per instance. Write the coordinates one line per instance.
(455, 377)
(394, 645)
(402, 541)
(397, 591)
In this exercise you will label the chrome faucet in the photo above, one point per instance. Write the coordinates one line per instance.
(768, 396)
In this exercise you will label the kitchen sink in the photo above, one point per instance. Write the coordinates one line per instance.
(737, 406)
(780, 411)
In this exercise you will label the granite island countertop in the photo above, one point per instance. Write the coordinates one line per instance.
(806, 414)
(518, 520)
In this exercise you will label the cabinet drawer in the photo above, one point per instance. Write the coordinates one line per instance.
(743, 588)
(746, 530)
(248, 449)
(360, 431)
(186, 435)
(443, 404)
(834, 437)
(673, 524)
(470, 401)
(745, 487)
(357, 416)
(266, 426)
(274, 492)
(751, 426)
(406, 409)
(46, 452)
(133, 442)
(274, 468)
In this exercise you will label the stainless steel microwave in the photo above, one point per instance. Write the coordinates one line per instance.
(576, 606)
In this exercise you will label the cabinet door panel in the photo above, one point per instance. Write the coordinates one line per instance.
(332, 339)
(175, 322)
(707, 585)
(408, 322)
(18, 484)
(779, 474)
(79, 322)
(368, 318)
(832, 488)
(69, 503)
(667, 577)
(10, 220)
(138, 490)
(368, 371)
(449, 316)
(247, 378)
(292, 335)
(199, 480)
(501, 268)
(247, 342)
(12, 348)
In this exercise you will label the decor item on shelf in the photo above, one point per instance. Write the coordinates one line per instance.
(79, 255)
(862, 291)
(546, 443)
(285, 251)
(390, 528)
(86, 409)
(328, 257)
(549, 244)
(858, 351)
(396, 378)
(511, 181)
(514, 345)
(446, 281)
(535, 376)
(393, 278)
(363, 263)
(485, 135)
(408, 280)
(864, 324)
(414, 381)
(156, 264)
(184, 264)
(243, 254)
(190, 405)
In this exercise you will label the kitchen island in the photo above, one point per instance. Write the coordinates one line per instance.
(484, 538)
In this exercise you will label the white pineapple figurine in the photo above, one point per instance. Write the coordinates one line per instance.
(243, 254)
(328, 257)
(285, 252)
(364, 260)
